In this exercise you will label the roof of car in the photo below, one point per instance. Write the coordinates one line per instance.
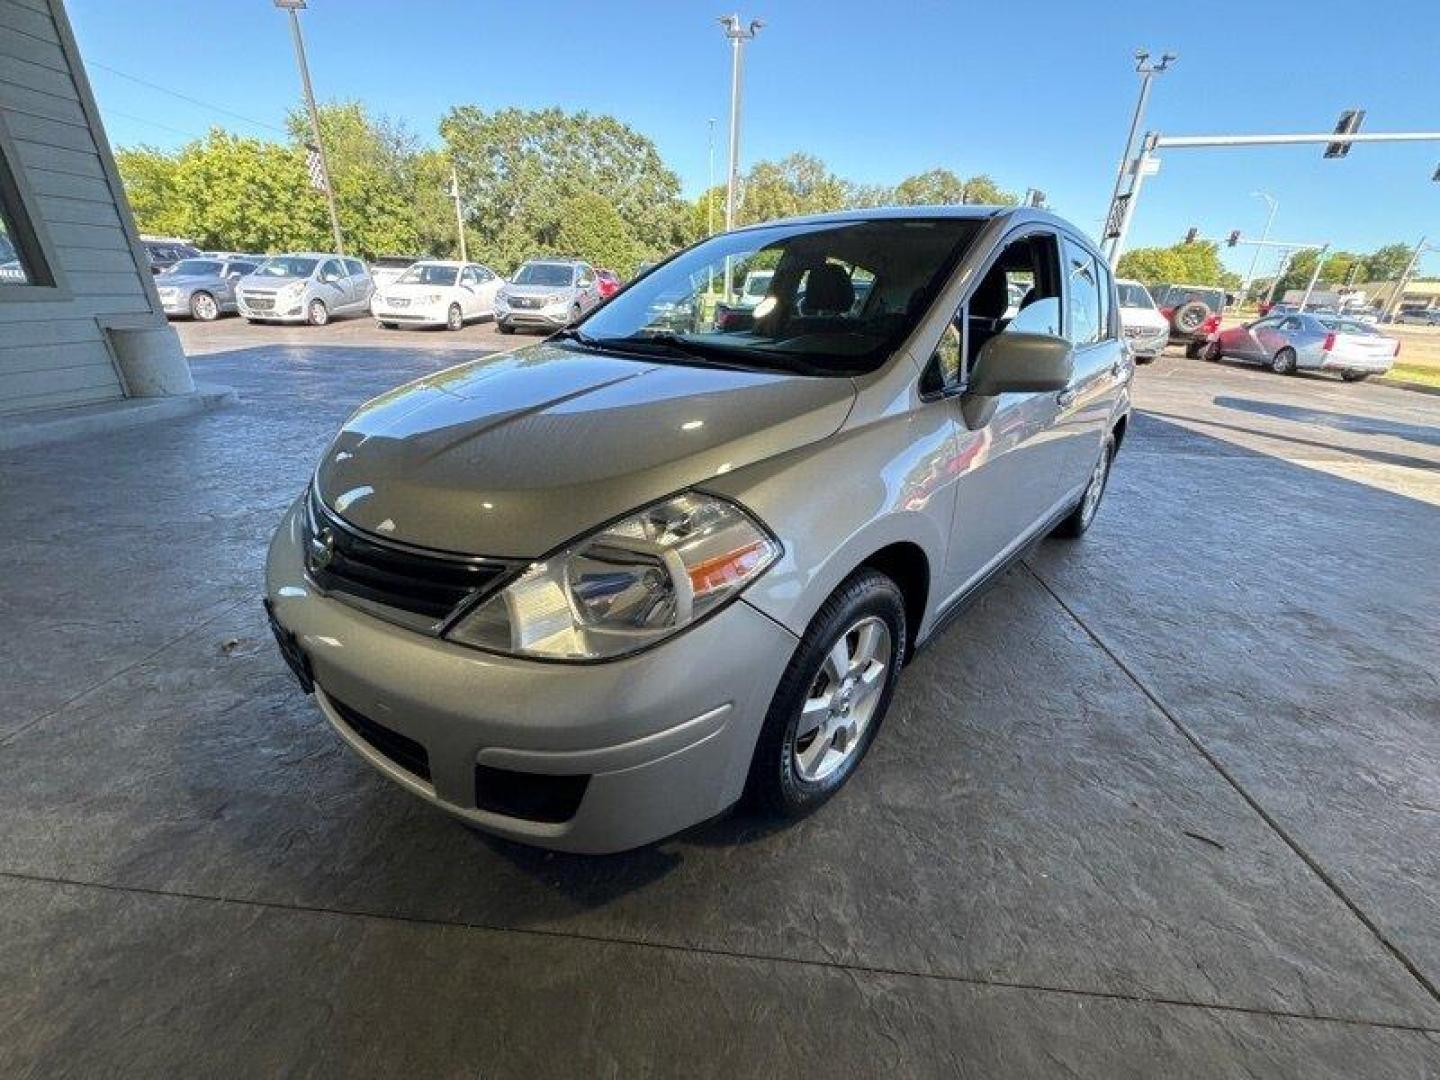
(884, 213)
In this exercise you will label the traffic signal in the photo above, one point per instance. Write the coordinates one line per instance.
(1348, 124)
(1233, 239)
(1192, 235)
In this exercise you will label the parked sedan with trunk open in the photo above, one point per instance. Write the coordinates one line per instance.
(593, 591)
(435, 293)
(1303, 342)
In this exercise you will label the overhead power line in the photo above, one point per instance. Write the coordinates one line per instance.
(186, 97)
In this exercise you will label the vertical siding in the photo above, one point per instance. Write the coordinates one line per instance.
(54, 353)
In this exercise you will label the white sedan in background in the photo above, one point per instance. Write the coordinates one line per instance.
(435, 293)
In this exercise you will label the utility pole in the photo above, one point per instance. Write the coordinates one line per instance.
(459, 214)
(294, 7)
(1319, 262)
(1147, 72)
(738, 35)
(1394, 301)
(1250, 274)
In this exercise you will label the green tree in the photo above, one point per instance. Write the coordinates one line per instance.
(149, 178)
(941, 187)
(1386, 263)
(798, 184)
(1189, 264)
(590, 228)
(519, 169)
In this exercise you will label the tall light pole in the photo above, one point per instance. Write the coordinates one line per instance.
(1395, 297)
(738, 34)
(710, 187)
(1254, 259)
(294, 7)
(1147, 72)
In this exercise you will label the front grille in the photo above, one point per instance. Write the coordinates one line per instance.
(429, 585)
(259, 303)
(526, 302)
(401, 749)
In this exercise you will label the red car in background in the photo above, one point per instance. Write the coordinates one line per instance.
(608, 283)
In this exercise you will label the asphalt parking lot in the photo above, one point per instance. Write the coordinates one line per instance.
(1165, 802)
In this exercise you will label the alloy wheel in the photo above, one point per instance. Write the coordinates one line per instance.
(203, 307)
(1095, 489)
(842, 699)
(454, 318)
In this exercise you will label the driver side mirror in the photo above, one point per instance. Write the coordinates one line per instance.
(1021, 364)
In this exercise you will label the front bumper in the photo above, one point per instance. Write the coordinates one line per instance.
(553, 317)
(410, 316)
(1150, 345)
(279, 312)
(178, 306)
(665, 737)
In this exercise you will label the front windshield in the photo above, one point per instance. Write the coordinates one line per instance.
(195, 268)
(839, 297)
(1133, 296)
(429, 274)
(544, 274)
(287, 266)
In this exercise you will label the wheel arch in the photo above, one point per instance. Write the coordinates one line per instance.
(905, 563)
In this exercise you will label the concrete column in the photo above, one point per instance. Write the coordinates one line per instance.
(152, 364)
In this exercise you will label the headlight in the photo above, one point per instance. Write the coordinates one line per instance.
(555, 298)
(168, 293)
(292, 291)
(628, 586)
(501, 296)
(429, 298)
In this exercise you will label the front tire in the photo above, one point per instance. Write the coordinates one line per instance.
(1211, 352)
(832, 698)
(1083, 516)
(454, 318)
(317, 314)
(203, 307)
(1283, 362)
(1354, 376)
(505, 327)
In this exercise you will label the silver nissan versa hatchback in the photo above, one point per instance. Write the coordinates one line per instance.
(595, 590)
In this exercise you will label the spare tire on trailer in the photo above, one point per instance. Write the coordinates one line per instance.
(1190, 316)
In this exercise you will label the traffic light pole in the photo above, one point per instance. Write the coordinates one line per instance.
(1155, 141)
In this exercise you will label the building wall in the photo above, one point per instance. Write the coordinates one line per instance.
(58, 343)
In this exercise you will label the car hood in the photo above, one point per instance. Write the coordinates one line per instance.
(408, 289)
(268, 281)
(517, 454)
(1135, 316)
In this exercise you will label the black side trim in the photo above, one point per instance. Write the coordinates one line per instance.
(401, 749)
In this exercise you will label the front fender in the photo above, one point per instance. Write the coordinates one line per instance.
(835, 503)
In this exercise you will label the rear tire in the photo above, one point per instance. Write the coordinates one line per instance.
(1283, 362)
(1083, 516)
(822, 720)
(384, 325)
(1354, 376)
(505, 327)
(1211, 352)
(1144, 360)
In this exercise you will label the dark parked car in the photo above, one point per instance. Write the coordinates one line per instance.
(165, 253)
(1193, 312)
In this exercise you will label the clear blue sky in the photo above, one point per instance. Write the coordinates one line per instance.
(1036, 94)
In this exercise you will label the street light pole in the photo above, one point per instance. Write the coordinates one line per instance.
(1250, 274)
(1147, 72)
(293, 7)
(738, 36)
(1395, 296)
(710, 187)
(1142, 169)
(1319, 262)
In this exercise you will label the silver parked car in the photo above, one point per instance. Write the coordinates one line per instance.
(593, 591)
(305, 287)
(201, 289)
(546, 294)
(1288, 343)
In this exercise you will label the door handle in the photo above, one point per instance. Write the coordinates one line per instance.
(1065, 398)
(1117, 368)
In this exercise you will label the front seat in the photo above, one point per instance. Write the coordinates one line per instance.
(828, 291)
(987, 309)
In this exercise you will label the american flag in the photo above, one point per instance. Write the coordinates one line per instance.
(316, 164)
